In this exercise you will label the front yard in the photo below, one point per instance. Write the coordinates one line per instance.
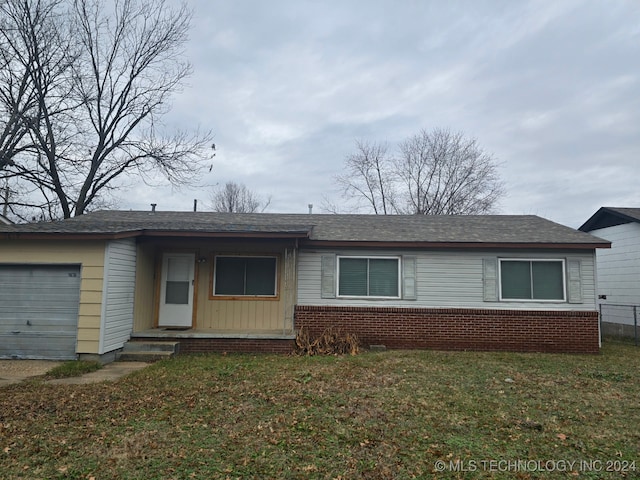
(398, 414)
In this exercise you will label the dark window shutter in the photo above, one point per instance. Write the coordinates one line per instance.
(328, 276)
(574, 281)
(490, 279)
(409, 278)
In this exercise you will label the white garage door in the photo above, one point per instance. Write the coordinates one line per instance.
(39, 311)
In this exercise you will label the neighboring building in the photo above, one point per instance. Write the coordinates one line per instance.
(247, 282)
(619, 267)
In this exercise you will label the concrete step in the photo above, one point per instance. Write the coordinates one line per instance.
(147, 351)
(148, 356)
(156, 346)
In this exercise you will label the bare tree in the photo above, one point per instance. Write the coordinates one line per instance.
(444, 173)
(37, 36)
(369, 177)
(99, 105)
(434, 173)
(237, 198)
(29, 55)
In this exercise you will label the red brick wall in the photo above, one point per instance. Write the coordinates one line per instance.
(459, 329)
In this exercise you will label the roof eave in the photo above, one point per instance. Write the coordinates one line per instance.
(602, 211)
(236, 234)
(17, 235)
(458, 245)
(66, 235)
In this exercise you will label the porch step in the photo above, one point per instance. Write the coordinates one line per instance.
(147, 351)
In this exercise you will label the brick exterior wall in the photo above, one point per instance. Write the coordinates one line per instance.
(459, 329)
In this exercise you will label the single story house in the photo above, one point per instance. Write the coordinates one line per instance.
(618, 282)
(85, 286)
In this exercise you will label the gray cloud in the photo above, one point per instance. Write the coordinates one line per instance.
(551, 88)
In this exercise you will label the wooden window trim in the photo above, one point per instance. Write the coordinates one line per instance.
(248, 298)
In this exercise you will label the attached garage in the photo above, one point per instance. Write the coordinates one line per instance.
(39, 311)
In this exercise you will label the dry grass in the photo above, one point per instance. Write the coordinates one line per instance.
(73, 368)
(384, 415)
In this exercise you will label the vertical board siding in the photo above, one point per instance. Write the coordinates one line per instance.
(242, 315)
(444, 279)
(119, 291)
(619, 266)
(250, 315)
(144, 302)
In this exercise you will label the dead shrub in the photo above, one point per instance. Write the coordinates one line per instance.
(333, 341)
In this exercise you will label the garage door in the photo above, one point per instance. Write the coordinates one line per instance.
(39, 311)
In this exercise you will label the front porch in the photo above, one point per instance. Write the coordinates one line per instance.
(196, 340)
(217, 295)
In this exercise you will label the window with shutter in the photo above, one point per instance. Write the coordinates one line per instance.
(377, 277)
(540, 280)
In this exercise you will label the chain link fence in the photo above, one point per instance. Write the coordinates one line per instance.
(620, 321)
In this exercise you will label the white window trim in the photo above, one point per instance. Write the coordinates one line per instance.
(369, 257)
(215, 268)
(533, 300)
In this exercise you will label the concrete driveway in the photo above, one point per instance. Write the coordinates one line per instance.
(15, 371)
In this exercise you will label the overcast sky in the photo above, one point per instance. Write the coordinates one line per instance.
(550, 88)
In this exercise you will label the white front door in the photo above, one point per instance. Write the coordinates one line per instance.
(176, 290)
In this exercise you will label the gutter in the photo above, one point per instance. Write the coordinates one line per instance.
(302, 237)
(17, 235)
(457, 245)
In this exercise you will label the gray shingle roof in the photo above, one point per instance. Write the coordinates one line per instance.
(610, 217)
(629, 212)
(491, 229)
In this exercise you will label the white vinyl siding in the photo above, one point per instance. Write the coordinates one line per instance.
(446, 279)
(119, 290)
(619, 266)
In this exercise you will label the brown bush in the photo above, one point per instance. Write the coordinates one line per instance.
(333, 341)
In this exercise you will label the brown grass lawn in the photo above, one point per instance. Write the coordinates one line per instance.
(397, 414)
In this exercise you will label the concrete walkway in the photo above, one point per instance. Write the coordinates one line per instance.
(108, 373)
(15, 371)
